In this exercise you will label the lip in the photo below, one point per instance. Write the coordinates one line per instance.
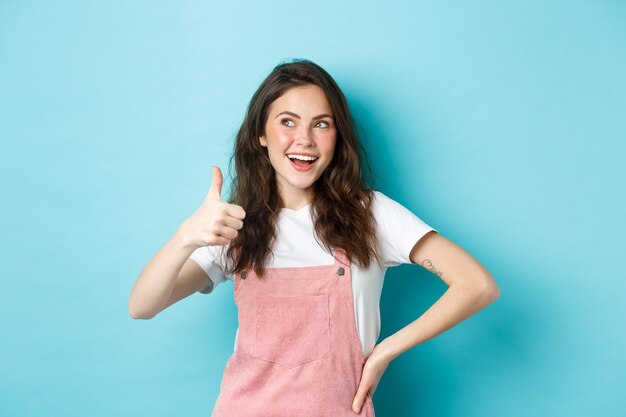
(302, 153)
(304, 168)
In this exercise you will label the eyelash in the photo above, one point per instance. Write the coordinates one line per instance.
(321, 121)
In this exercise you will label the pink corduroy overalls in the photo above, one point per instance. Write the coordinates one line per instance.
(297, 353)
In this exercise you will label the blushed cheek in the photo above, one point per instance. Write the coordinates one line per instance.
(327, 143)
(285, 139)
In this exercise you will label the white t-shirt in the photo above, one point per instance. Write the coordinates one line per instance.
(398, 229)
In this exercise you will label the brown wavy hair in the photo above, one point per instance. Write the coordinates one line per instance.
(341, 206)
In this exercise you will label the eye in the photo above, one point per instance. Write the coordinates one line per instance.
(327, 124)
(286, 120)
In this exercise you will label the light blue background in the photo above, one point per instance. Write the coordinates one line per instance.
(501, 124)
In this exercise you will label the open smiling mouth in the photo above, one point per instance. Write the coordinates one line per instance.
(302, 165)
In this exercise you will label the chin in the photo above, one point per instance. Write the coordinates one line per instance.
(303, 186)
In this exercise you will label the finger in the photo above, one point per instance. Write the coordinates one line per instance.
(233, 223)
(227, 232)
(235, 211)
(216, 184)
(359, 398)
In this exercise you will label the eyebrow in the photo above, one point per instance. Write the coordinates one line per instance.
(298, 117)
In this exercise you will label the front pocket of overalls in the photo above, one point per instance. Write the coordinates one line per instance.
(292, 330)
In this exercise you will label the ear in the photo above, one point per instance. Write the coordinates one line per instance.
(263, 141)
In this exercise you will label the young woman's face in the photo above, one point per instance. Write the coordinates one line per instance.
(299, 122)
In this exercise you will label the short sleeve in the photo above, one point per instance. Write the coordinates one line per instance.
(399, 229)
(211, 260)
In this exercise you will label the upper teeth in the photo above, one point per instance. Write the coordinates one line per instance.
(302, 157)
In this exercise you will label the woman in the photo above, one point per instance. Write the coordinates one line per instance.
(307, 245)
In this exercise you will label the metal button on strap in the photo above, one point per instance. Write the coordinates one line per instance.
(340, 271)
(244, 274)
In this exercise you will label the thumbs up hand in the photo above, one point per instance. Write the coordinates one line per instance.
(216, 222)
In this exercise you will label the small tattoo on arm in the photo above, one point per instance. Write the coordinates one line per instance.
(429, 265)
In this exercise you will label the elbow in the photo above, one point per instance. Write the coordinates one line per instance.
(493, 294)
(484, 289)
(138, 309)
(490, 290)
(138, 314)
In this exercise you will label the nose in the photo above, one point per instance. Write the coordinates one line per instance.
(305, 138)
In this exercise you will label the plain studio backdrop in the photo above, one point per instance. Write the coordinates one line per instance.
(500, 124)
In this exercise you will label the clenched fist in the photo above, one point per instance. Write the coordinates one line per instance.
(216, 222)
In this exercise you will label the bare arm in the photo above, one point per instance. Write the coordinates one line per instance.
(471, 288)
(167, 278)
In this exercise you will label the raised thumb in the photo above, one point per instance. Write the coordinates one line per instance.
(216, 184)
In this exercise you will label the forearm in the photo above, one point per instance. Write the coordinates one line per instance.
(459, 302)
(156, 281)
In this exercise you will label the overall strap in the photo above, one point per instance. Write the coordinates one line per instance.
(341, 259)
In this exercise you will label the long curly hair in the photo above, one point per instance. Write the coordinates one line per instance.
(341, 206)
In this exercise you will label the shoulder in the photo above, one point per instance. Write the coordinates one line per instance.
(211, 253)
(213, 260)
(398, 229)
(385, 205)
(390, 211)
